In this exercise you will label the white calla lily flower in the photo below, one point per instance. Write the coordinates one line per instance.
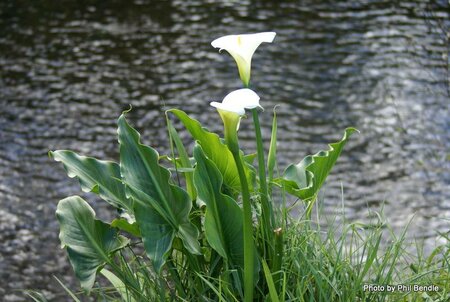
(239, 100)
(242, 48)
(232, 108)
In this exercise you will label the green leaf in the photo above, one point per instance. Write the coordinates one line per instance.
(305, 179)
(124, 225)
(161, 209)
(184, 160)
(250, 158)
(97, 176)
(272, 157)
(216, 151)
(89, 242)
(223, 217)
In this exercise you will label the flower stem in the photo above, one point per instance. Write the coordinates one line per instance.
(278, 258)
(249, 247)
(267, 212)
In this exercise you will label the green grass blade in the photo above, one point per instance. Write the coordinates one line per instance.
(36, 296)
(118, 285)
(71, 294)
(272, 290)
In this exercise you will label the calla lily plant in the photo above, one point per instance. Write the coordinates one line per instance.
(216, 234)
(242, 48)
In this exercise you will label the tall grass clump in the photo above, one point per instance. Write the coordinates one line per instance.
(348, 261)
(203, 224)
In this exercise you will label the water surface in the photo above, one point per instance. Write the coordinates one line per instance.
(67, 70)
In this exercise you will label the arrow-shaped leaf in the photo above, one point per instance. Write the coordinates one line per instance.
(223, 218)
(161, 209)
(305, 179)
(216, 151)
(89, 242)
(97, 176)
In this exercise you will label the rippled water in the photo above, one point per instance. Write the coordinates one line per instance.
(67, 70)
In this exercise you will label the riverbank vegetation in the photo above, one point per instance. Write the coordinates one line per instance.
(338, 263)
(204, 224)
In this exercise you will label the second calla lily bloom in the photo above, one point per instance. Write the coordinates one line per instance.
(232, 108)
(239, 100)
(241, 48)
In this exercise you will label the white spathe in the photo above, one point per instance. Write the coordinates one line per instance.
(233, 106)
(242, 48)
(239, 100)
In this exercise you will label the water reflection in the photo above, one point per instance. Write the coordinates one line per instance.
(69, 68)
